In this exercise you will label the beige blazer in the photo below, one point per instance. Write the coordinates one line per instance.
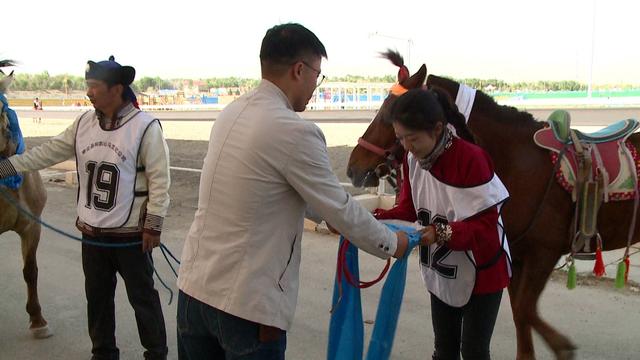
(264, 166)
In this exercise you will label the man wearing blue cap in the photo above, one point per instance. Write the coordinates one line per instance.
(123, 183)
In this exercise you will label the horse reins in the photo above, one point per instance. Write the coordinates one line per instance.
(376, 149)
(342, 269)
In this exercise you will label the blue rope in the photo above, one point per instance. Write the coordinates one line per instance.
(164, 251)
(5, 194)
(150, 259)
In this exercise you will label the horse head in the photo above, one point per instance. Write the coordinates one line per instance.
(378, 150)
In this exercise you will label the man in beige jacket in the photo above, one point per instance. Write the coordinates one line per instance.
(265, 169)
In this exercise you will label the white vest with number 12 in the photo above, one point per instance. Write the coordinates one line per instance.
(451, 275)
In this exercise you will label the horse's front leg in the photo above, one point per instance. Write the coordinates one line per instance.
(30, 237)
(535, 274)
(524, 338)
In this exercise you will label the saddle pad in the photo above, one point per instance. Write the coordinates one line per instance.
(618, 130)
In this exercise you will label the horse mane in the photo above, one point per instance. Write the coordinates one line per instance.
(486, 103)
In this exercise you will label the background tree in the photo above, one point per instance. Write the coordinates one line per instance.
(66, 82)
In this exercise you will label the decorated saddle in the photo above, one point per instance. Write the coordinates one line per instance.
(596, 167)
(611, 155)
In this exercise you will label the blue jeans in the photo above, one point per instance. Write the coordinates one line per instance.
(205, 332)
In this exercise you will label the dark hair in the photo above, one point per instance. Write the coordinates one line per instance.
(285, 44)
(420, 109)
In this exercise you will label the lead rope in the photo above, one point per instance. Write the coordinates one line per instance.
(342, 269)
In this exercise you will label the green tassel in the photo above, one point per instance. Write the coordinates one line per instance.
(622, 268)
(572, 277)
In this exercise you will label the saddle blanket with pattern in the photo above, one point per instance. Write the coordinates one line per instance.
(617, 160)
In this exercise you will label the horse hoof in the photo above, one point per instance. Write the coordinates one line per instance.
(41, 332)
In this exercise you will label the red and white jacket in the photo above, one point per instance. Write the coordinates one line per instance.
(462, 189)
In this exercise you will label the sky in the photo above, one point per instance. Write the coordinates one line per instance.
(516, 40)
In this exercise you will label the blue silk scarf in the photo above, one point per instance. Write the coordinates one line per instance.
(346, 329)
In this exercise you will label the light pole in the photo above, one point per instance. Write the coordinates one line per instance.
(593, 45)
(408, 40)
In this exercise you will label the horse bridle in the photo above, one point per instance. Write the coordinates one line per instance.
(389, 154)
(391, 161)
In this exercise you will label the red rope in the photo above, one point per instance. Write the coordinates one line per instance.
(347, 274)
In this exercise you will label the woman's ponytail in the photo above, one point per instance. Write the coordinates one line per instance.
(453, 116)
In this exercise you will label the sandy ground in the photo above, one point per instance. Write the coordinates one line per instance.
(603, 322)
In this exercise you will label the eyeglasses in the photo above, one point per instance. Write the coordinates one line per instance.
(320, 77)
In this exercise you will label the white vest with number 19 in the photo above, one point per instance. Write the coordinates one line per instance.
(107, 165)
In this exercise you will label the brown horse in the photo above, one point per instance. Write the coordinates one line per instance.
(31, 195)
(537, 220)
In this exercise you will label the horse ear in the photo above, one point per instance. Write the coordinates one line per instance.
(417, 79)
(403, 74)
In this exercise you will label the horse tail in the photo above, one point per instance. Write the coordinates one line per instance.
(453, 116)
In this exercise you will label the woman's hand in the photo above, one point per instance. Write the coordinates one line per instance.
(428, 235)
(377, 212)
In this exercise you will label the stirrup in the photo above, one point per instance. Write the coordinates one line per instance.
(589, 256)
(582, 249)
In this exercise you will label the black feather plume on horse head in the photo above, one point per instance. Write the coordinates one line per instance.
(393, 56)
(397, 60)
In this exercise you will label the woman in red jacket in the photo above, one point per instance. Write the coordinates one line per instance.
(449, 186)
